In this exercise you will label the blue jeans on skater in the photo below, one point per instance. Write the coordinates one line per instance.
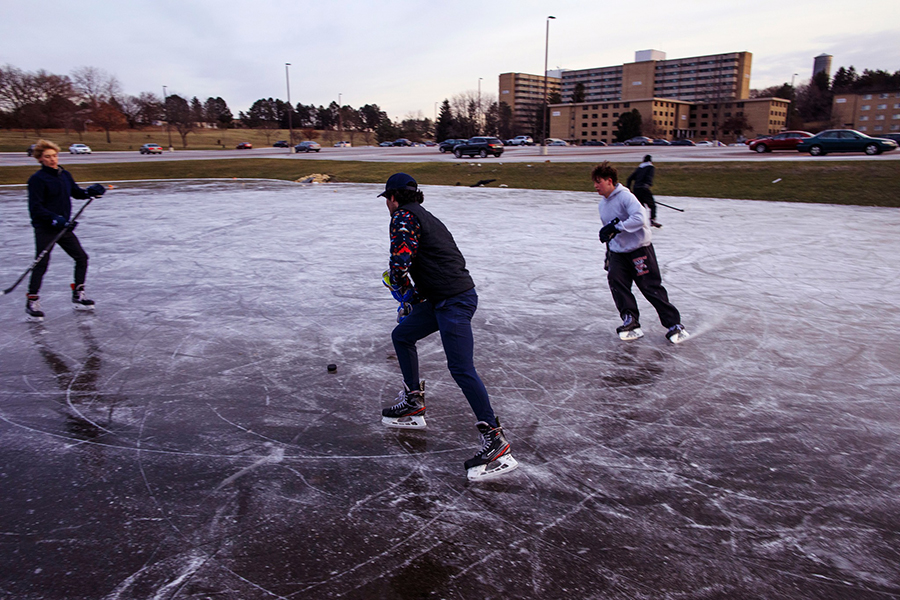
(453, 318)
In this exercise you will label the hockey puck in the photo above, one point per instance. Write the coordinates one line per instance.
(332, 368)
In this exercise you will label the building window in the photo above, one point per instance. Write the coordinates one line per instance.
(882, 106)
(865, 107)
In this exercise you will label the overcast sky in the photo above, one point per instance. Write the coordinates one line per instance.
(406, 55)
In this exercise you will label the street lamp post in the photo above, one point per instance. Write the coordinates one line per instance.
(546, 112)
(166, 107)
(340, 119)
(480, 112)
(287, 77)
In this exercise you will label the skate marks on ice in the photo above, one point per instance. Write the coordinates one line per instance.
(757, 459)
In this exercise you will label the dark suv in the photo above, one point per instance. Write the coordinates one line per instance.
(449, 145)
(482, 146)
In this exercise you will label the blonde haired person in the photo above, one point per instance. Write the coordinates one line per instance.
(50, 193)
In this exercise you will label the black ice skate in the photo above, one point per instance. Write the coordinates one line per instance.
(33, 308)
(677, 334)
(655, 223)
(79, 301)
(494, 459)
(409, 412)
(630, 329)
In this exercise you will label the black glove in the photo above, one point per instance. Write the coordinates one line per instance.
(609, 231)
(71, 225)
(58, 222)
(96, 190)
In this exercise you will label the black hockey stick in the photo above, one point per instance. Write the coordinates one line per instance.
(46, 250)
(667, 206)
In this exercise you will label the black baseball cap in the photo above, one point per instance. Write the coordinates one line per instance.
(399, 181)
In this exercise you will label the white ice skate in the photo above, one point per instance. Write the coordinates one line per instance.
(409, 412)
(630, 329)
(33, 311)
(677, 334)
(494, 459)
(497, 468)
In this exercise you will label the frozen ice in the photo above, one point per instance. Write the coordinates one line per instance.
(185, 440)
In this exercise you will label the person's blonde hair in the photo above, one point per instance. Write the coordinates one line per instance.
(42, 146)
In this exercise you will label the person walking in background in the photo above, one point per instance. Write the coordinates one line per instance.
(631, 257)
(427, 268)
(50, 193)
(642, 178)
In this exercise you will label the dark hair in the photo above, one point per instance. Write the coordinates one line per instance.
(605, 171)
(405, 196)
(648, 158)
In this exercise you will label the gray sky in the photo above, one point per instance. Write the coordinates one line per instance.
(405, 55)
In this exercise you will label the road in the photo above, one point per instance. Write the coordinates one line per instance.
(424, 154)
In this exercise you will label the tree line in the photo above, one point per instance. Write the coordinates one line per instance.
(90, 97)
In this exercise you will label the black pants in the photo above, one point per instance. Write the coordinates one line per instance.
(645, 197)
(640, 267)
(67, 242)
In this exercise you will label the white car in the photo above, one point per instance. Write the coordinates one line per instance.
(79, 149)
(556, 142)
(342, 144)
(520, 140)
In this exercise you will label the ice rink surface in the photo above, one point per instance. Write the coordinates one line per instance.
(186, 440)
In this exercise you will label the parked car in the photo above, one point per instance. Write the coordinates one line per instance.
(661, 142)
(342, 144)
(429, 143)
(555, 142)
(280, 144)
(709, 143)
(245, 146)
(594, 143)
(891, 136)
(520, 140)
(386, 144)
(682, 142)
(786, 140)
(640, 140)
(308, 146)
(79, 149)
(482, 146)
(402, 142)
(449, 145)
(844, 140)
(151, 149)
(30, 151)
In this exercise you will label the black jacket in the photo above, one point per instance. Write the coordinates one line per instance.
(438, 269)
(642, 176)
(49, 196)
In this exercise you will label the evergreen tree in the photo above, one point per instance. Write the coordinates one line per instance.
(628, 125)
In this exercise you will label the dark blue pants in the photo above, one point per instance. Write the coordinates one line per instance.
(453, 318)
(67, 242)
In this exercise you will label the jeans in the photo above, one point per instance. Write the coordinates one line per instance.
(453, 318)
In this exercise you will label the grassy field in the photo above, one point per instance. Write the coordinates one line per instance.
(131, 139)
(869, 183)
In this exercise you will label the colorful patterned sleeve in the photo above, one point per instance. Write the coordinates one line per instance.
(404, 244)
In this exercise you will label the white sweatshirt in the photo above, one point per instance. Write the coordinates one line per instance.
(634, 224)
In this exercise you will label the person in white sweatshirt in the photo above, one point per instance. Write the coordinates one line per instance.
(631, 257)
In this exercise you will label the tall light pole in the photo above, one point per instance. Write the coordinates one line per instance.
(287, 77)
(480, 112)
(166, 107)
(546, 112)
(340, 118)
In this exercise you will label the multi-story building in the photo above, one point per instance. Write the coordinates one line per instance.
(524, 93)
(710, 78)
(873, 113)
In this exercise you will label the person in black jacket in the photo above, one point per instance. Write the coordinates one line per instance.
(50, 193)
(427, 267)
(643, 181)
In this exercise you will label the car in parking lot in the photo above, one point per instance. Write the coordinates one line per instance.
(661, 142)
(308, 146)
(342, 144)
(786, 140)
(245, 146)
(716, 143)
(639, 140)
(402, 142)
(555, 142)
(449, 145)
(594, 143)
(151, 149)
(521, 140)
(386, 144)
(480, 145)
(844, 140)
(280, 144)
(79, 149)
(682, 142)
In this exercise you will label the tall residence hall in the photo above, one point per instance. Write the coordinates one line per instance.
(699, 97)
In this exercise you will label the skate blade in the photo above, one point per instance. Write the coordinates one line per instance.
(30, 319)
(497, 468)
(631, 335)
(83, 307)
(679, 337)
(414, 422)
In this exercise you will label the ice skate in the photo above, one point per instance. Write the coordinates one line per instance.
(677, 334)
(409, 412)
(655, 223)
(494, 459)
(79, 300)
(630, 329)
(33, 309)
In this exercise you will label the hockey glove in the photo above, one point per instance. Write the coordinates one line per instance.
(58, 222)
(71, 225)
(609, 231)
(96, 190)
